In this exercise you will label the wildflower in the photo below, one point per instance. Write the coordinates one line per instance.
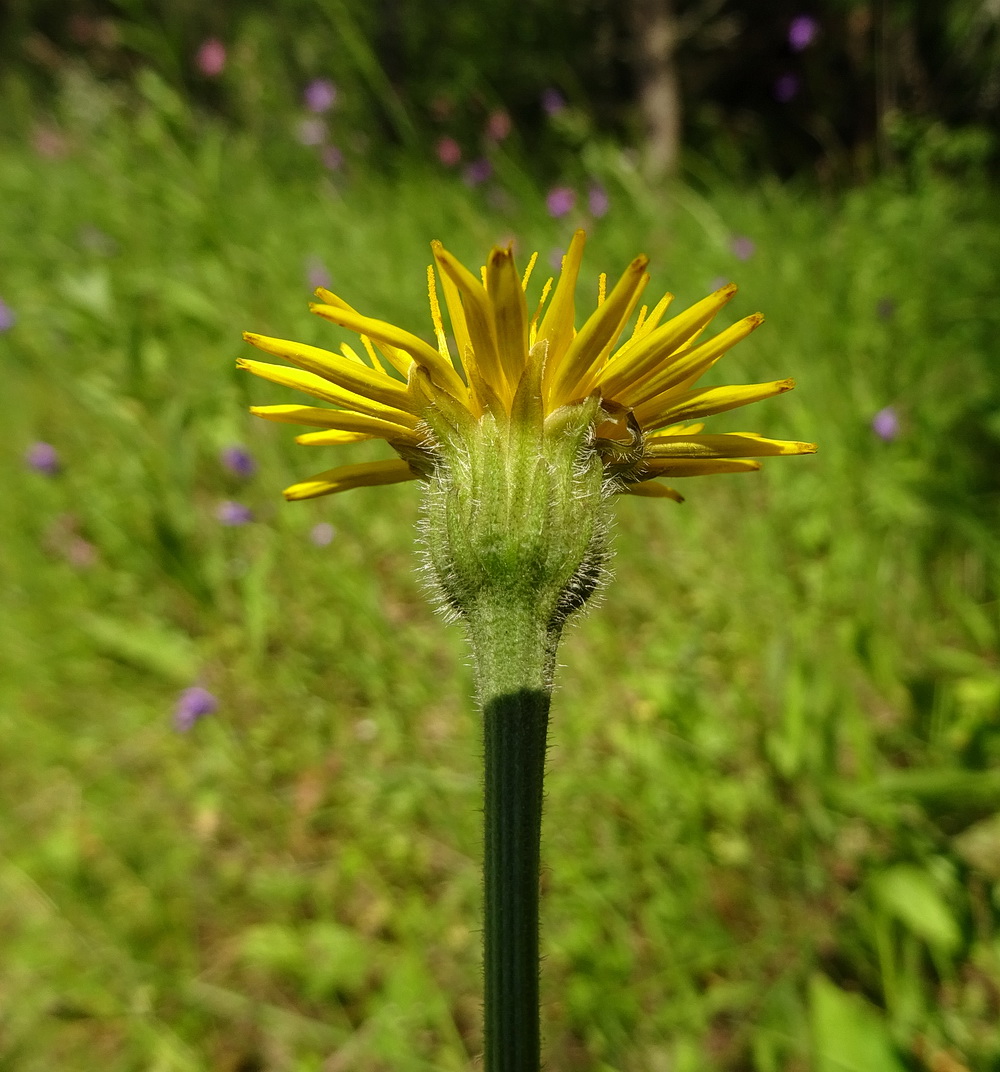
(560, 201)
(211, 58)
(320, 95)
(743, 248)
(786, 88)
(233, 513)
(311, 131)
(498, 125)
(49, 142)
(449, 152)
(802, 31)
(885, 424)
(598, 201)
(322, 534)
(7, 316)
(553, 102)
(317, 274)
(478, 172)
(643, 391)
(332, 157)
(192, 704)
(238, 460)
(43, 458)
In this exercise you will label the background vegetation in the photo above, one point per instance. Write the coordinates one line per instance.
(772, 837)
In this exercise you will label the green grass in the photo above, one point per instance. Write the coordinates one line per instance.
(771, 838)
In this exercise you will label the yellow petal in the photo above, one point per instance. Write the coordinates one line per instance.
(421, 352)
(599, 333)
(558, 324)
(689, 364)
(459, 327)
(643, 357)
(331, 438)
(510, 314)
(676, 467)
(345, 477)
(723, 445)
(326, 391)
(688, 405)
(650, 489)
(359, 424)
(352, 376)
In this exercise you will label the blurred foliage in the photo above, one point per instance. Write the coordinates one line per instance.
(874, 76)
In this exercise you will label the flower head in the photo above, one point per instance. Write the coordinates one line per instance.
(449, 152)
(238, 460)
(553, 102)
(743, 247)
(211, 58)
(560, 201)
(477, 172)
(320, 95)
(598, 201)
(802, 31)
(7, 316)
(885, 424)
(43, 458)
(233, 513)
(786, 88)
(192, 704)
(524, 369)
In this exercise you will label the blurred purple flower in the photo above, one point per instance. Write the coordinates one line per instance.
(802, 31)
(885, 424)
(786, 88)
(477, 172)
(498, 125)
(238, 460)
(317, 274)
(560, 201)
(332, 157)
(49, 142)
(885, 308)
(43, 458)
(311, 131)
(233, 513)
(211, 57)
(556, 259)
(322, 534)
(192, 704)
(7, 316)
(743, 248)
(598, 201)
(320, 95)
(449, 152)
(553, 102)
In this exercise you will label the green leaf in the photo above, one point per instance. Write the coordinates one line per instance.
(849, 1034)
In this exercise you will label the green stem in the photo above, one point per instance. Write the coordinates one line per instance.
(514, 656)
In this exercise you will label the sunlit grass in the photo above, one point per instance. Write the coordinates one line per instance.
(294, 883)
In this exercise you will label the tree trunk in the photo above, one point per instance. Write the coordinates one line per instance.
(655, 37)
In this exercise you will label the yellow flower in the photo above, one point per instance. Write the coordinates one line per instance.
(645, 385)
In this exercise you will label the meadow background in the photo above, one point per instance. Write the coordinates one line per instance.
(772, 836)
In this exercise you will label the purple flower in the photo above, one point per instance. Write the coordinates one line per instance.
(802, 31)
(43, 458)
(498, 125)
(786, 88)
(322, 534)
(233, 513)
(478, 171)
(238, 460)
(317, 274)
(7, 316)
(332, 157)
(885, 308)
(192, 704)
(449, 152)
(743, 248)
(556, 259)
(598, 201)
(560, 201)
(320, 95)
(311, 131)
(553, 102)
(885, 424)
(211, 57)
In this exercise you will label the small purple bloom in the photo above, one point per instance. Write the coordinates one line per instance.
(743, 248)
(885, 424)
(560, 201)
(43, 458)
(233, 513)
(498, 125)
(598, 201)
(311, 131)
(553, 102)
(238, 460)
(332, 157)
(7, 316)
(322, 534)
(885, 308)
(211, 57)
(192, 704)
(317, 274)
(478, 171)
(802, 31)
(320, 95)
(786, 88)
(449, 152)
